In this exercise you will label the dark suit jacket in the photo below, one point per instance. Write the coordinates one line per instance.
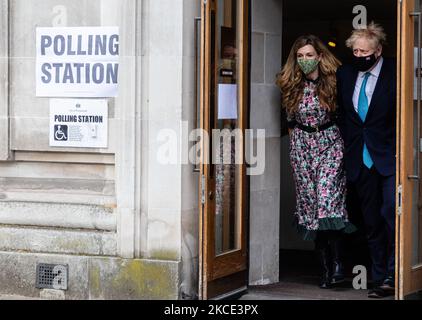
(379, 129)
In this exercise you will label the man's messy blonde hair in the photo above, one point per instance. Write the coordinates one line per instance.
(373, 32)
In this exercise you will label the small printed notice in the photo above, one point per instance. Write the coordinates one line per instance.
(227, 101)
(79, 123)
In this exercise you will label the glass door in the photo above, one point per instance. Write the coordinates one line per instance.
(223, 118)
(409, 218)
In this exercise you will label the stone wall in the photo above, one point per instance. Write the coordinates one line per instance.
(266, 114)
(116, 216)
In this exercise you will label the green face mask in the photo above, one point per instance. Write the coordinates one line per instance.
(308, 66)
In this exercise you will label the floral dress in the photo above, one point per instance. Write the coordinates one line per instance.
(317, 161)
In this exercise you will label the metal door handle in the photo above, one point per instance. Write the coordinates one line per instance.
(419, 96)
(197, 40)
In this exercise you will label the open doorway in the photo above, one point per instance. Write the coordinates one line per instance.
(273, 25)
(331, 21)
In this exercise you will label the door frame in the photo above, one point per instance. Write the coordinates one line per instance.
(227, 273)
(408, 278)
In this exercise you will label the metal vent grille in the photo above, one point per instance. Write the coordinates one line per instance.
(52, 276)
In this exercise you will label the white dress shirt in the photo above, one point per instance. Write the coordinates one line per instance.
(370, 85)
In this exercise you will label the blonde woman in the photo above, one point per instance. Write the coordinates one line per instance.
(308, 86)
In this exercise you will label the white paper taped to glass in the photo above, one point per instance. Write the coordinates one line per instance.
(227, 101)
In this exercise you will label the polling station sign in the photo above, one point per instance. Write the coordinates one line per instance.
(77, 62)
(79, 123)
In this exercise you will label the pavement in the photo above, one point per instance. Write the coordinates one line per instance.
(13, 297)
(304, 288)
(306, 291)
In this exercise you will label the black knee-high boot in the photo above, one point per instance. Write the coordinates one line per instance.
(323, 251)
(336, 252)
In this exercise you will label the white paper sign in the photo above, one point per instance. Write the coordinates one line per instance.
(77, 62)
(80, 123)
(227, 101)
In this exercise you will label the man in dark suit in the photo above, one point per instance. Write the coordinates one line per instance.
(367, 120)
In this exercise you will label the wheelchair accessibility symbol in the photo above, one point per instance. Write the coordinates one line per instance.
(60, 133)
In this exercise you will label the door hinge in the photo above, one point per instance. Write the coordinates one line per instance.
(202, 189)
(400, 194)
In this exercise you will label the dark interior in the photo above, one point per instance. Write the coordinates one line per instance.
(331, 20)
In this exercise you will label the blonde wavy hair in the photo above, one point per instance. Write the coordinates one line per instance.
(291, 78)
(373, 32)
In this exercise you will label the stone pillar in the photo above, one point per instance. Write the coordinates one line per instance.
(4, 79)
(161, 116)
(266, 114)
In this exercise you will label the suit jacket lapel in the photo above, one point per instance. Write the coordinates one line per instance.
(379, 88)
(350, 91)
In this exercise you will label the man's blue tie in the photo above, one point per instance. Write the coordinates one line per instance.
(363, 107)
